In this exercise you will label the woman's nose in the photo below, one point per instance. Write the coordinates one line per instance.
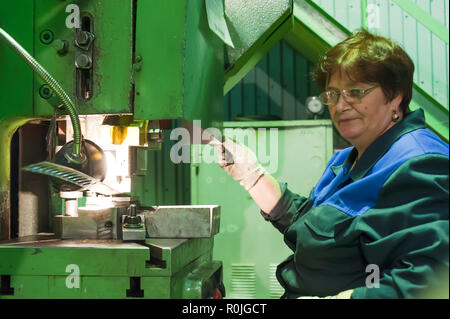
(342, 104)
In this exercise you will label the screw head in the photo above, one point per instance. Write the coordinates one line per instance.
(46, 37)
(108, 224)
(45, 91)
(83, 61)
(82, 38)
(61, 46)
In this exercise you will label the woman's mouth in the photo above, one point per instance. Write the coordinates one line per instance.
(345, 120)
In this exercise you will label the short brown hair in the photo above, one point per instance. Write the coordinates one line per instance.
(370, 58)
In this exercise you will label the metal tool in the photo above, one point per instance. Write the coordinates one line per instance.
(133, 226)
(72, 176)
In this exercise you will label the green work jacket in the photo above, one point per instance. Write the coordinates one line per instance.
(380, 228)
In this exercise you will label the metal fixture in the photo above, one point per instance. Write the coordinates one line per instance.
(61, 46)
(71, 176)
(133, 228)
(132, 221)
(83, 61)
(71, 202)
(46, 37)
(84, 39)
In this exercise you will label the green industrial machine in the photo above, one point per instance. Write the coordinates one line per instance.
(133, 63)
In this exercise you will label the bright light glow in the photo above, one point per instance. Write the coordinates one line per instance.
(116, 155)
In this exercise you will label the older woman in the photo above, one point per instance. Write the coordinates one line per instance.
(376, 223)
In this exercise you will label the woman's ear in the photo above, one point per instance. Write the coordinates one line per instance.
(395, 104)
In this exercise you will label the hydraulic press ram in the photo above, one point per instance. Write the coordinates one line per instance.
(71, 228)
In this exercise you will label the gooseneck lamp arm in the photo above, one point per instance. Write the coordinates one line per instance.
(77, 157)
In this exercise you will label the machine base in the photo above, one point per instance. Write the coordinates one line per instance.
(47, 267)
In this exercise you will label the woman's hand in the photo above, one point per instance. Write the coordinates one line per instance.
(239, 162)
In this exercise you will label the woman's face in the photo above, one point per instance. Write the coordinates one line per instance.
(361, 123)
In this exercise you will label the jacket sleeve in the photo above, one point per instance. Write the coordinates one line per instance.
(406, 234)
(288, 208)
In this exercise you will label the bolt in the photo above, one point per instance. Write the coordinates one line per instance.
(46, 37)
(132, 221)
(133, 210)
(71, 202)
(61, 46)
(82, 38)
(83, 61)
(108, 224)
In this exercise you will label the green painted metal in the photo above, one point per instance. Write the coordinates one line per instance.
(16, 78)
(112, 54)
(438, 29)
(16, 98)
(310, 20)
(255, 27)
(182, 62)
(364, 14)
(249, 247)
(313, 33)
(39, 270)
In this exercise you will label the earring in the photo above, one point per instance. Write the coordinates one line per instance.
(395, 117)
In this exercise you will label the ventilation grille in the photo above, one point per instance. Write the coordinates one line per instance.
(275, 289)
(243, 281)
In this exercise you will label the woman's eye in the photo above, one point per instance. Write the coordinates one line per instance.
(355, 92)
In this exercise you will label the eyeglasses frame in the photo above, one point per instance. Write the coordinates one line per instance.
(343, 92)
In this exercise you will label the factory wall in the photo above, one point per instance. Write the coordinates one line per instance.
(280, 83)
(277, 86)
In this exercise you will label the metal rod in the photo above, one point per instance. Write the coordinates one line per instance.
(364, 14)
(77, 156)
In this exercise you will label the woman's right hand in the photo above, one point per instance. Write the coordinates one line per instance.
(239, 162)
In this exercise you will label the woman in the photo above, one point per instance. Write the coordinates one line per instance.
(376, 223)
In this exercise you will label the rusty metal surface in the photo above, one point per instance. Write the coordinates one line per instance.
(4, 213)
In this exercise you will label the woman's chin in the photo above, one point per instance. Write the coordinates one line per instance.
(350, 135)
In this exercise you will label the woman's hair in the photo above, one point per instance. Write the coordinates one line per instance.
(369, 58)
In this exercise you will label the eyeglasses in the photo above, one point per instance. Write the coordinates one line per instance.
(331, 97)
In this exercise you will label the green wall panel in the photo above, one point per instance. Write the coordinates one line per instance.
(278, 87)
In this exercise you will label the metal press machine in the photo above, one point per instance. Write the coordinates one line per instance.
(89, 84)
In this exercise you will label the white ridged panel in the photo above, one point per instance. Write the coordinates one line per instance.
(243, 281)
(275, 289)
